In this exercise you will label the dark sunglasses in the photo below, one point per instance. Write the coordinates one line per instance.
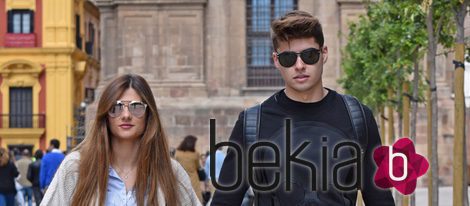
(136, 108)
(309, 56)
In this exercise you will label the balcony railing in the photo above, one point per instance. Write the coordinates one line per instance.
(20, 40)
(23, 121)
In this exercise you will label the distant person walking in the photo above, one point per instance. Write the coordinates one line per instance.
(219, 160)
(187, 156)
(33, 176)
(26, 187)
(50, 163)
(8, 173)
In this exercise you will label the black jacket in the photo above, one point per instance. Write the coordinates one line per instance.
(33, 172)
(8, 173)
(330, 112)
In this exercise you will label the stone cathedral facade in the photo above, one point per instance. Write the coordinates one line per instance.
(212, 58)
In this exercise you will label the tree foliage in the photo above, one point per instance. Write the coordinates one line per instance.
(382, 47)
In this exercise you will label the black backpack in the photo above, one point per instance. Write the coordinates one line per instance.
(355, 110)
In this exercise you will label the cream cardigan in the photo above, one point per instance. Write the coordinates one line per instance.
(63, 185)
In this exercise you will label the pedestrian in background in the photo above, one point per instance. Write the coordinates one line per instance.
(188, 157)
(16, 154)
(26, 187)
(8, 173)
(33, 176)
(219, 160)
(50, 163)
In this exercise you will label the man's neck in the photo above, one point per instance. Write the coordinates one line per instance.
(54, 150)
(314, 95)
(124, 153)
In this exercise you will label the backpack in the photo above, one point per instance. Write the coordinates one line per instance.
(355, 110)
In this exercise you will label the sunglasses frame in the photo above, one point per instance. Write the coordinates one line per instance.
(127, 104)
(297, 54)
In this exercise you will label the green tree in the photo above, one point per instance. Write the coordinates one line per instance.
(382, 49)
(439, 29)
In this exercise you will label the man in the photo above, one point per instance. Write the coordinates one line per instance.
(50, 163)
(33, 176)
(305, 122)
(22, 164)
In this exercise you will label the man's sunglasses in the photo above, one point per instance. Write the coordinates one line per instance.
(136, 108)
(309, 56)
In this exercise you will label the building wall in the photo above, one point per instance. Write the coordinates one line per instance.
(193, 53)
(52, 66)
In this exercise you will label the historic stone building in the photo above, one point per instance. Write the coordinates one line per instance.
(212, 58)
(49, 62)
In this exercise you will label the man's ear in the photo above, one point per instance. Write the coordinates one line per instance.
(276, 62)
(324, 51)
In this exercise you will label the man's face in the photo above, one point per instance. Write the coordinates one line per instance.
(301, 78)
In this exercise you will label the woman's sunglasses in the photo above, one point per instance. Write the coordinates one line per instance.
(309, 56)
(136, 108)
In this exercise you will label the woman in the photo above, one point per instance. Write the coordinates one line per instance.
(187, 156)
(124, 160)
(8, 173)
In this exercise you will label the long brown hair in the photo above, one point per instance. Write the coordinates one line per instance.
(4, 157)
(154, 168)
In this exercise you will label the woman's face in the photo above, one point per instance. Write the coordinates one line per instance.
(127, 125)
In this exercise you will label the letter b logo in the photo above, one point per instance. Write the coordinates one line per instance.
(412, 161)
(392, 155)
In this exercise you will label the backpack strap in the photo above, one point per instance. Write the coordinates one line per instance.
(251, 119)
(358, 120)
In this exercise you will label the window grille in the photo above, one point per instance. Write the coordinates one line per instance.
(260, 13)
